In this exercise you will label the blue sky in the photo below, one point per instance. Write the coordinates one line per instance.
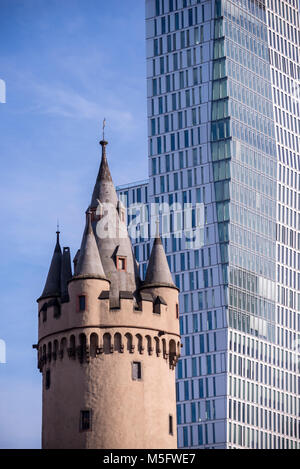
(67, 64)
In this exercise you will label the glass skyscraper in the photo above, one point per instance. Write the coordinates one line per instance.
(224, 125)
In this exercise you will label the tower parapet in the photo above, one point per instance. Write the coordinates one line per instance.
(108, 343)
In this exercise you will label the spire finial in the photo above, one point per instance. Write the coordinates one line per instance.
(103, 127)
(57, 231)
(103, 142)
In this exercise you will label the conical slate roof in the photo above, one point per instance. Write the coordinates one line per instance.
(158, 271)
(104, 190)
(52, 286)
(89, 262)
(112, 236)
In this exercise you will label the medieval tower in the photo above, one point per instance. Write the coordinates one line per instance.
(108, 342)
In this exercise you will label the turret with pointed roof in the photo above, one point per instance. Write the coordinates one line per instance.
(52, 286)
(89, 262)
(104, 190)
(158, 271)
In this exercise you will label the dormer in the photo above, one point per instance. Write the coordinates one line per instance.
(120, 260)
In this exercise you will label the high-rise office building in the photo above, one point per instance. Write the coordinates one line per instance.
(223, 114)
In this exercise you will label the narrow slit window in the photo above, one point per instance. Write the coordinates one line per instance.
(82, 302)
(85, 420)
(47, 379)
(170, 424)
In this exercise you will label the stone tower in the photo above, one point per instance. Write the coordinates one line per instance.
(108, 343)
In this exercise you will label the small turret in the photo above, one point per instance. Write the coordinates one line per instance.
(158, 271)
(53, 283)
(160, 286)
(89, 262)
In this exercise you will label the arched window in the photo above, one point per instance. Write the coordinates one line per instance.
(130, 347)
(149, 345)
(164, 346)
(140, 343)
(107, 343)
(40, 357)
(72, 347)
(172, 352)
(44, 354)
(55, 349)
(49, 356)
(63, 347)
(82, 346)
(93, 344)
(157, 346)
(117, 342)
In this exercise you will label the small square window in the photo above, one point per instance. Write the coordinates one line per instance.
(136, 370)
(85, 420)
(82, 303)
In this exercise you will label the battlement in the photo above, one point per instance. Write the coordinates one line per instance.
(89, 306)
(97, 342)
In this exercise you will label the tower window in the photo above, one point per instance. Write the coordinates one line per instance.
(57, 311)
(177, 311)
(82, 305)
(85, 420)
(44, 312)
(136, 370)
(170, 425)
(47, 379)
(121, 263)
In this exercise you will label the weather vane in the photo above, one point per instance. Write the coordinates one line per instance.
(103, 126)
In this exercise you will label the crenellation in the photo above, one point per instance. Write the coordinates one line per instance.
(71, 345)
